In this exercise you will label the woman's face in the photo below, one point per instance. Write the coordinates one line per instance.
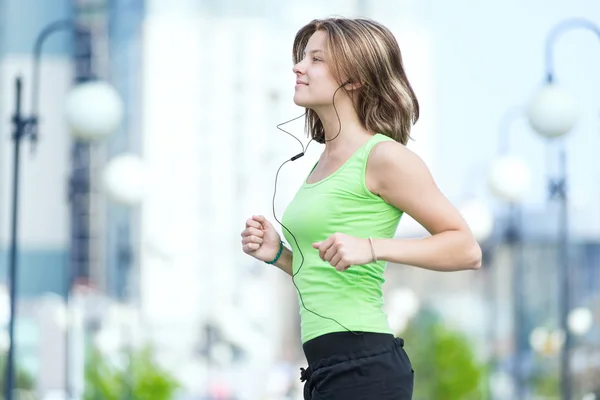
(315, 85)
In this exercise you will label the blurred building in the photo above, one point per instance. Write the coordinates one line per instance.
(61, 209)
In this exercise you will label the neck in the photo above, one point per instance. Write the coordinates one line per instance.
(351, 134)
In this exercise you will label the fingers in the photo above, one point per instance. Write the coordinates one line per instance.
(342, 265)
(335, 260)
(252, 239)
(258, 222)
(251, 222)
(330, 254)
(253, 235)
(324, 247)
(250, 247)
(250, 231)
(332, 251)
(262, 220)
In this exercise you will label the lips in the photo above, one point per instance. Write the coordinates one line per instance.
(301, 83)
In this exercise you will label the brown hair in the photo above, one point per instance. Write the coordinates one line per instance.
(366, 52)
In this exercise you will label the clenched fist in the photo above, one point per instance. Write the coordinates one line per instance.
(342, 251)
(260, 239)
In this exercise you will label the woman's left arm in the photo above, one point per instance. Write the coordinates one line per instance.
(401, 178)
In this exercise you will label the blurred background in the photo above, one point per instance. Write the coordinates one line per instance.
(138, 135)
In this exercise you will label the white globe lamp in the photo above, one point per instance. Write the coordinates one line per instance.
(580, 320)
(538, 339)
(552, 112)
(124, 179)
(480, 219)
(546, 342)
(509, 179)
(93, 111)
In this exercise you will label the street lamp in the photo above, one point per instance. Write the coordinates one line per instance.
(546, 342)
(93, 112)
(124, 181)
(509, 179)
(580, 320)
(552, 113)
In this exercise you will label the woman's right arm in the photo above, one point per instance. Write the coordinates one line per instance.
(285, 261)
(261, 241)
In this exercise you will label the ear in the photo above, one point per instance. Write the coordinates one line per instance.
(351, 85)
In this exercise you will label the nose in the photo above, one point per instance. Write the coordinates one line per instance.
(297, 69)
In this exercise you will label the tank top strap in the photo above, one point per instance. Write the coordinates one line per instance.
(366, 149)
(377, 138)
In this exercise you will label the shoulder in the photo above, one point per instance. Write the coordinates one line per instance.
(389, 163)
(389, 151)
(391, 155)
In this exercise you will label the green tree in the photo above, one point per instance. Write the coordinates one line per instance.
(140, 378)
(444, 361)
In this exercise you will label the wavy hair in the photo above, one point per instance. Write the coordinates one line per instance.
(366, 52)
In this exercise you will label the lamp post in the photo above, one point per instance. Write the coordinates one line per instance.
(124, 181)
(509, 179)
(552, 113)
(93, 111)
(480, 219)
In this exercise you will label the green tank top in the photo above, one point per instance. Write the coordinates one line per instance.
(341, 203)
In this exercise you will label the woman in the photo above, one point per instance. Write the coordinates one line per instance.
(342, 221)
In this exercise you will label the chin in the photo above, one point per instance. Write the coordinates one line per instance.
(301, 102)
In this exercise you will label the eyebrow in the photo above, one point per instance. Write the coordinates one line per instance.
(315, 51)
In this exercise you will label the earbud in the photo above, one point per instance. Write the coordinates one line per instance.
(347, 82)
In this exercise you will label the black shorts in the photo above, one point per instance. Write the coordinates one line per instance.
(378, 368)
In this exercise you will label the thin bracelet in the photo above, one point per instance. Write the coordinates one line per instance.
(278, 254)
(372, 249)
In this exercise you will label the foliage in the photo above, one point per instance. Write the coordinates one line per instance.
(444, 361)
(140, 378)
(546, 385)
(545, 379)
(24, 382)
